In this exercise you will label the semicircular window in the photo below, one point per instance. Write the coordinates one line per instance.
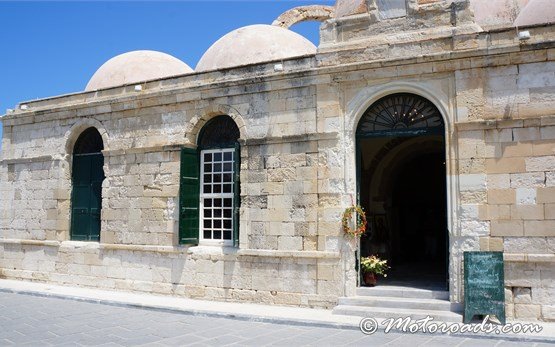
(219, 131)
(90, 141)
(401, 113)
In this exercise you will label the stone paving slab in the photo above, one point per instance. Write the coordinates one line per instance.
(193, 330)
(266, 324)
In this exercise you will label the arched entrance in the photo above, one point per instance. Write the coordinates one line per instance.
(86, 177)
(402, 186)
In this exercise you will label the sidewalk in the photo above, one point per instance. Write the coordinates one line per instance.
(240, 311)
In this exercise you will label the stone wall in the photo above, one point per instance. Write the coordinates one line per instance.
(506, 165)
(298, 171)
(289, 241)
(197, 272)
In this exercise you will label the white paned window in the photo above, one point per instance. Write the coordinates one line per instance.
(216, 195)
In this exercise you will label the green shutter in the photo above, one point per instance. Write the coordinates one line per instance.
(189, 197)
(237, 191)
(86, 199)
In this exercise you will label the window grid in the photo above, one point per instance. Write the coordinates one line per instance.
(217, 194)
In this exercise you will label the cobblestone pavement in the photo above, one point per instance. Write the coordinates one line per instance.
(43, 321)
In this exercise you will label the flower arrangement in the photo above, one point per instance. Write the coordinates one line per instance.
(360, 221)
(374, 265)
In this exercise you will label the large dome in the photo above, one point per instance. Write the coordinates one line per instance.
(254, 44)
(136, 66)
(536, 12)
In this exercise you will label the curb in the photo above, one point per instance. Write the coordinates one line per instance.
(189, 312)
(262, 319)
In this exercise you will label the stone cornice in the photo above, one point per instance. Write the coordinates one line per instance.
(303, 72)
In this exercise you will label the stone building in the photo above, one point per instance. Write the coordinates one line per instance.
(228, 182)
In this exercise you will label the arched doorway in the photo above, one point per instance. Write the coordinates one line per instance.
(402, 186)
(86, 177)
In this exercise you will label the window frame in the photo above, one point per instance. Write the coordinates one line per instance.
(220, 195)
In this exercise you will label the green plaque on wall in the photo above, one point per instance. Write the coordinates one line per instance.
(484, 292)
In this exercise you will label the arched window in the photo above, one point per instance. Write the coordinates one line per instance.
(209, 195)
(87, 176)
(400, 114)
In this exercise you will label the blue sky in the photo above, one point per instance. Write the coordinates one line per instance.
(52, 48)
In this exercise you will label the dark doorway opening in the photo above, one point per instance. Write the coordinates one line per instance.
(402, 187)
(403, 191)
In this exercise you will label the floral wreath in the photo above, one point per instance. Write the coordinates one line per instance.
(361, 221)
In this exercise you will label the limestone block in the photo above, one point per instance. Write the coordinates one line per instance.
(528, 180)
(290, 299)
(545, 195)
(472, 166)
(506, 165)
(539, 228)
(501, 196)
(546, 163)
(522, 275)
(494, 244)
(525, 196)
(547, 275)
(548, 132)
(281, 174)
(474, 228)
(541, 148)
(529, 212)
(527, 311)
(469, 211)
(498, 212)
(522, 295)
(536, 75)
(543, 295)
(549, 210)
(498, 181)
(272, 188)
(470, 182)
(526, 134)
(310, 243)
(507, 228)
(294, 243)
(548, 312)
(498, 136)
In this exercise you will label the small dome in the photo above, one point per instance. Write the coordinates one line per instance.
(136, 66)
(254, 44)
(536, 12)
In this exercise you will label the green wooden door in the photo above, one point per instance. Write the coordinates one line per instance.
(86, 199)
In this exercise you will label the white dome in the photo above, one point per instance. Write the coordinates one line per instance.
(536, 12)
(136, 66)
(254, 44)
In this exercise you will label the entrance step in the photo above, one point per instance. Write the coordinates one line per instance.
(387, 301)
(387, 312)
(394, 302)
(403, 292)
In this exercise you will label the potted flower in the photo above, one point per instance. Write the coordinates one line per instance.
(372, 266)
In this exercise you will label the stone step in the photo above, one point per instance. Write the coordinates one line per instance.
(397, 302)
(403, 292)
(388, 312)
